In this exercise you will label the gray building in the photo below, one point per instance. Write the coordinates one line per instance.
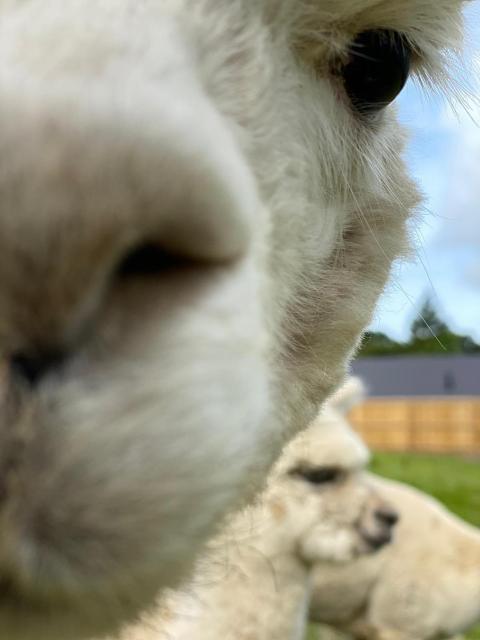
(420, 375)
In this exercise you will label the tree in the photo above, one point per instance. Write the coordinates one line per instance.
(427, 324)
(429, 334)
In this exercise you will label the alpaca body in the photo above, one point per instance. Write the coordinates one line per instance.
(425, 585)
(249, 595)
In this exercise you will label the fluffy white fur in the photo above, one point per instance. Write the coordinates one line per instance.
(425, 585)
(255, 581)
(220, 132)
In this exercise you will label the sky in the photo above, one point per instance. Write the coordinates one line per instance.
(444, 156)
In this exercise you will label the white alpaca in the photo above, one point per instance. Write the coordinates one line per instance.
(425, 585)
(255, 581)
(200, 201)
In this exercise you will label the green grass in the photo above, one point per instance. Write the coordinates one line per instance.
(453, 480)
(312, 634)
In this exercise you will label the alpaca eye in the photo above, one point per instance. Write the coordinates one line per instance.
(377, 70)
(318, 475)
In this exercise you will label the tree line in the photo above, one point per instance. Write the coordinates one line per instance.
(429, 334)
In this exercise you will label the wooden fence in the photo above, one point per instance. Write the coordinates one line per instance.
(425, 424)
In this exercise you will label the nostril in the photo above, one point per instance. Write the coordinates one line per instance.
(148, 260)
(33, 367)
(387, 517)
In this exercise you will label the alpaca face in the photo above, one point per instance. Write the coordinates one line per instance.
(349, 517)
(200, 202)
(322, 497)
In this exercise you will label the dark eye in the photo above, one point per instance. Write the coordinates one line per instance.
(318, 475)
(377, 70)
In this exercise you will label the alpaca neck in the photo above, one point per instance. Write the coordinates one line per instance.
(247, 589)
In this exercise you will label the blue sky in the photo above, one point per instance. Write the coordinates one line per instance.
(444, 155)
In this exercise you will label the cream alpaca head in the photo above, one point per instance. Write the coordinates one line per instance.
(198, 210)
(320, 494)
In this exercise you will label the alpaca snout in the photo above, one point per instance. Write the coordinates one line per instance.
(89, 206)
(131, 329)
(387, 516)
(377, 526)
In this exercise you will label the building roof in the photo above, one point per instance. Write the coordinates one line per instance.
(420, 375)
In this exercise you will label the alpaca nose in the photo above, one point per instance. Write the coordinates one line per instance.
(89, 199)
(387, 516)
(33, 367)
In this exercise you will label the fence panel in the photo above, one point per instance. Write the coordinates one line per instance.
(440, 425)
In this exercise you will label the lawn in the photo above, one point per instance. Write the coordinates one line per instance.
(455, 481)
